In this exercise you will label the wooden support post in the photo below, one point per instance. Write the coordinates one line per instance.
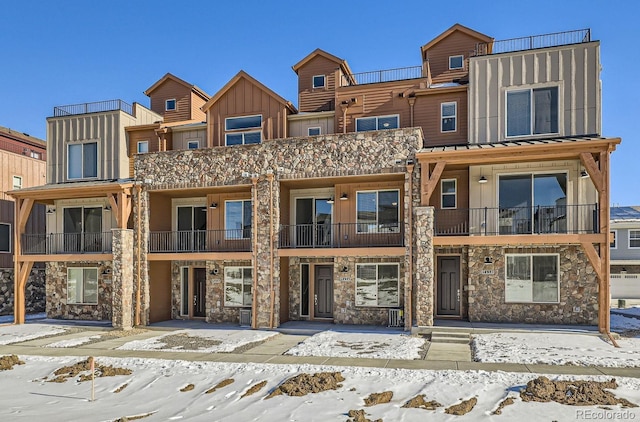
(605, 228)
(430, 181)
(21, 269)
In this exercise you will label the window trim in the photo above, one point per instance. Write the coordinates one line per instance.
(531, 255)
(397, 116)
(453, 57)
(314, 127)
(197, 142)
(142, 143)
(244, 128)
(166, 104)
(83, 303)
(324, 82)
(635, 238)
(455, 194)
(9, 238)
(377, 191)
(377, 264)
(69, 144)
(226, 135)
(226, 230)
(13, 181)
(224, 286)
(455, 117)
(556, 84)
(615, 239)
(308, 314)
(182, 298)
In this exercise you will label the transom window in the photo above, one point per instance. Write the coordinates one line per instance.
(456, 62)
(82, 160)
(313, 131)
(448, 193)
(378, 211)
(170, 105)
(532, 111)
(5, 237)
(634, 239)
(143, 147)
(193, 144)
(318, 81)
(243, 123)
(377, 123)
(532, 278)
(17, 182)
(237, 219)
(377, 285)
(238, 283)
(82, 286)
(448, 117)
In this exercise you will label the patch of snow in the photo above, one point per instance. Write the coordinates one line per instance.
(17, 333)
(359, 345)
(623, 323)
(634, 311)
(73, 342)
(5, 319)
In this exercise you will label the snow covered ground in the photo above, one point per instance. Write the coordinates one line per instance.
(633, 311)
(154, 387)
(74, 342)
(360, 345)
(621, 323)
(17, 333)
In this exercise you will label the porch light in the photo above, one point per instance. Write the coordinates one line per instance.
(214, 271)
(584, 174)
(51, 210)
(488, 260)
(482, 179)
(344, 269)
(344, 197)
(107, 208)
(106, 271)
(213, 206)
(330, 200)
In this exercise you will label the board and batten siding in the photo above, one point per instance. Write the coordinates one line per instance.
(575, 69)
(300, 127)
(35, 224)
(318, 99)
(30, 169)
(180, 138)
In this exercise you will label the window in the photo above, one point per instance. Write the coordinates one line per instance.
(377, 123)
(5, 237)
(377, 285)
(192, 226)
(170, 105)
(312, 131)
(243, 124)
(614, 239)
(243, 138)
(378, 211)
(634, 239)
(82, 228)
(184, 291)
(532, 111)
(238, 282)
(194, 144)
(448, 193)
(304, 289)
(532, 278)
(456, 62)
(82, 160)
(143, 147)
(17, 182)
(237, 219)
(35, 154)
(448, 117)
(318, 81)
(82, 286)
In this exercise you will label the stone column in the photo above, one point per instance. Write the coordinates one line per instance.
(423, 252)
(122, 279)
(144, 264)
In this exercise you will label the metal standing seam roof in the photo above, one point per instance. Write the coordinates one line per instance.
(514, 143)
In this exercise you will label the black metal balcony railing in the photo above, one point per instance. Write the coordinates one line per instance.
(66, 243)
(561, 219)
(340, 235)
(97, 107)
(200, 241)
(378, 76)
(535, 41)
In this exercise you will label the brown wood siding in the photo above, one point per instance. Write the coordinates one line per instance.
(455, 44)
(159, 291)
(160, 219)
(215, 218)
(35, 224)
(141, 135)
(32, 171)
(246, 99)
(319, 99)
(452, 219)
(196, 105)
(427, 114)
(170, 90)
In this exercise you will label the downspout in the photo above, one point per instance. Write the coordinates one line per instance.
(412, 102)
(273, 299)
(344, 106)
(408, 320)
(254, 235)
(138, 252)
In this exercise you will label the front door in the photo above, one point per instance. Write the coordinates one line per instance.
(199, 291)
(323, 298)
(448, 286)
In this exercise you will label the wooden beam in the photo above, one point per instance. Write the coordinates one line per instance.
(604, 294)
(26, 206)
(594, 258)
(114, 207)
(22, 271)
(90, 257)
(430, 184)
(595, 173)
(518, 240)
(335, 252)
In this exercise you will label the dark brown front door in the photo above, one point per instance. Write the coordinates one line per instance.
(323, 298)
(199, 291)
(448, 286)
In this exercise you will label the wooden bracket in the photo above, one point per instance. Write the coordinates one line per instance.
(595, 173)
(594, 259)
(432, 181)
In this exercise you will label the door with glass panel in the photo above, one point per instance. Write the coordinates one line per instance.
(82, 227)
(192, 226)
(313, 222)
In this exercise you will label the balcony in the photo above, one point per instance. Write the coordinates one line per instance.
(198, 241)
(66, 243)
(561, 219)
(532, 42)
(341, 235)
(97, 107)
(379, 76)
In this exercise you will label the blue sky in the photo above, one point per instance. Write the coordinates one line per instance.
(66, 52)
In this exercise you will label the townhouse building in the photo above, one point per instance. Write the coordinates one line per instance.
(625, 252)
(452, 189)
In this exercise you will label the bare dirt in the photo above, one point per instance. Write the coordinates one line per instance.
(248, 346)
(219, 385)
(9, 361)
(187, 387)
(71, 371)
(574, 393)
(504, 403)
(419, 402)
(359, 416)
(122, 387)
(363, 348)
(109, 335)
(254, 389)
(462, 408)
(133, 418)
(378, 398)
(303, 384)
(184, 341)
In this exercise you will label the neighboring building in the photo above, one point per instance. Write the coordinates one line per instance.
(625, 252)
(452, 189)
(22, 164)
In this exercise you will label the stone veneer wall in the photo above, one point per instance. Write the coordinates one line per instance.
(423, 266)
(216, 311)
(35, 295)
(122, 279)
(56, 289)
(578, 288)
(294, 283)
(142, 242)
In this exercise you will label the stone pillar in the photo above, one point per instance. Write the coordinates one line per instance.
(423, 270)
(143, 263)
(122, 279)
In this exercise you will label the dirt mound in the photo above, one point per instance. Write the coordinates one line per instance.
(219, 385)
(9, 361)
(303, 384)
(122, 387)
(574, 393)
(462, 408)
(254, 389)
(359, 416)
(186, 342)
(418, 402)
(378, 398)
(66, 372)
(187, 387)
(133, 418)
(504, 403)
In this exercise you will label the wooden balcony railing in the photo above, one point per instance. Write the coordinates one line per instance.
(341, 235)
(200, 241)
(66, 243)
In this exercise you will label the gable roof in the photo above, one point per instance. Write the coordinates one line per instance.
(244, 75)
(322, 53)
(174, 78)
(457, 27)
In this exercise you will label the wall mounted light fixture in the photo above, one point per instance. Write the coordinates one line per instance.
(344, 269)
(106, 271)
(213, 206)
(344, 197)
(584, 174)
(107, 208)
(214, 271)
(51, 210)
(482, 179)
(330, 200)
(488, 260)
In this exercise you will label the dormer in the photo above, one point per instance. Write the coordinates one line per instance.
(177, 100)
(446, 57)
(319, 73)
(244, 112)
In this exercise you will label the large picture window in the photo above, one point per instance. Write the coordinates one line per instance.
(5, 237)
(238, 282)
(237, 219)
(378, 211)
(82, 160)
(82, 286)
(532, 278)
(532, 111)
(377, 285)
(377, 123)
(243, 130)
